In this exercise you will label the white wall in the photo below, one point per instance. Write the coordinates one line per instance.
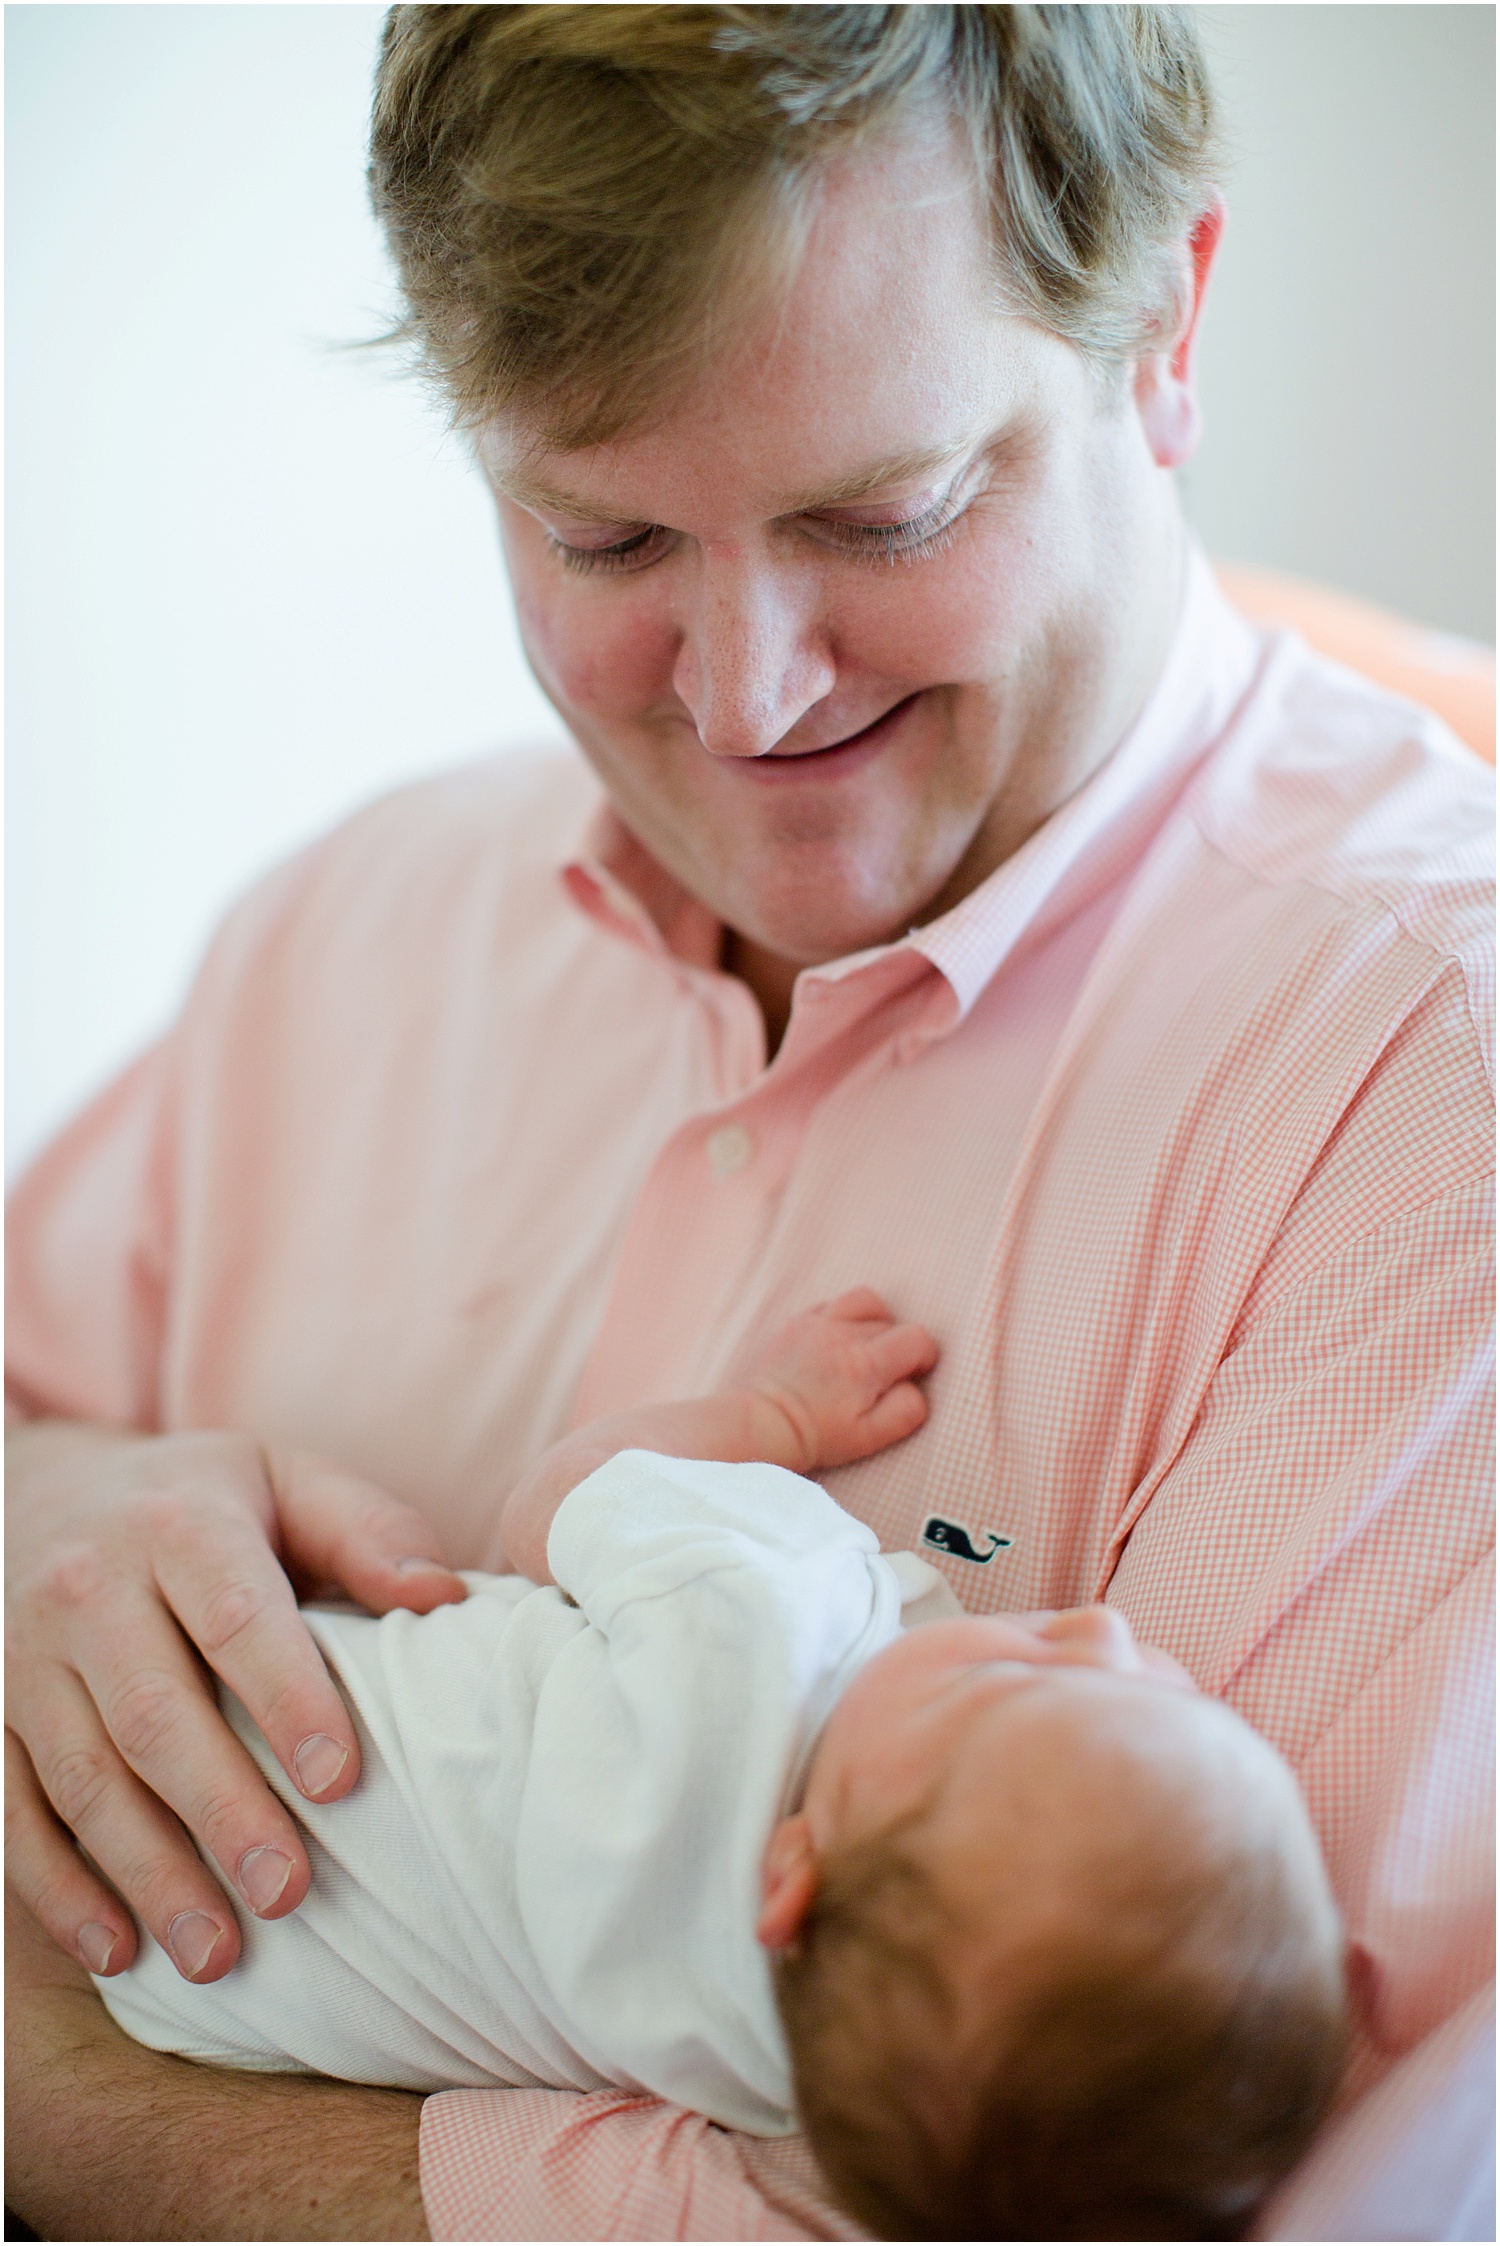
(250, 583)
(1348, 366)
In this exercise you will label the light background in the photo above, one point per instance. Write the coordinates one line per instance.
(251, 583)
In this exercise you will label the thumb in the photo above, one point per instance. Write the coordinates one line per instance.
(338, 1528)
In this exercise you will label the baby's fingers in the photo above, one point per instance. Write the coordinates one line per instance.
(856, 1303)
(905, 1353)
(899, 1413)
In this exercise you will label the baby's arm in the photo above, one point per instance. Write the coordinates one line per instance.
(836, 1384)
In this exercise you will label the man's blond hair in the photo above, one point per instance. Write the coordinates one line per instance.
(579, 198)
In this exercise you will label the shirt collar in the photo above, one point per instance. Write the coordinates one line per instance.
(615, 880)
(1210, 664)
(1097, 833)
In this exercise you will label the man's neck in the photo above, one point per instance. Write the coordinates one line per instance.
(769, 978)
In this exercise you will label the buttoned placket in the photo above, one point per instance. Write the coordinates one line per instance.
(715, 1187)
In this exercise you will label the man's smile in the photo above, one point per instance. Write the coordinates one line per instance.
(779, 766)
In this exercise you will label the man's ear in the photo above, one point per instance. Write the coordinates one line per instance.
(789, 1881)
(1166, 394)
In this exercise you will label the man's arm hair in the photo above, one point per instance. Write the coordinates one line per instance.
(105, 2139)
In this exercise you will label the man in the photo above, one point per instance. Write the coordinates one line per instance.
(972, 908)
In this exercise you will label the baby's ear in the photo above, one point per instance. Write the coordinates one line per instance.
(788, 1882)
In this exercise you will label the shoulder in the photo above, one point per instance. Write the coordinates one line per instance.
(1358, 812)
(524, 800)
(456, 865)
(506, 820)
(1292, 1014)
(1329, 780)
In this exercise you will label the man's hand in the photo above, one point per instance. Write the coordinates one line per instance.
(106, 2140)
(845, 1374)
(135, 1565)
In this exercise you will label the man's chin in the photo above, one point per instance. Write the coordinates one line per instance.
(816, 934)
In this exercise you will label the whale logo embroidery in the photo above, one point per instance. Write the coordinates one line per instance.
(951, 1537)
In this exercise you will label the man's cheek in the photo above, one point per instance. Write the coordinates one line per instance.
(951, 621)
(604, 658)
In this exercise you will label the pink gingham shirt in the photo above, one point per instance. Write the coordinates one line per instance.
(1177, 1133)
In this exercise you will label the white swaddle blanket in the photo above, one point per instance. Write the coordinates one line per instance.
(548, 1874)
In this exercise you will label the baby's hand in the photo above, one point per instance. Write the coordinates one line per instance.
(845, 1374)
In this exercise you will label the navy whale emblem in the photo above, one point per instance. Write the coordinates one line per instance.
(951, 1537)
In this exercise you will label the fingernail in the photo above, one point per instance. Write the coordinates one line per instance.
(318, 1762)
(192, 1939)
(96, 1944)
(418, 1566)
(264, 1872)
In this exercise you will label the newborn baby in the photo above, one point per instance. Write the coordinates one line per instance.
(1033, 1940)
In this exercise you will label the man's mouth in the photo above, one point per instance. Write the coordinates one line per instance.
(779, 766)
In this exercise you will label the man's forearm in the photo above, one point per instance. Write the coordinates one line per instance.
(107, 2140)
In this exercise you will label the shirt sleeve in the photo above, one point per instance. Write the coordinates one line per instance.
(86, 1261)
(539, 2164)
(1321, 1556)
(1414, 2159)
(94, 1252)
(110, 1301)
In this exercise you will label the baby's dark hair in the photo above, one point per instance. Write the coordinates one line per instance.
(1150, 2075)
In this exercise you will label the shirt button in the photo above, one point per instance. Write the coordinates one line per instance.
(729, 1150)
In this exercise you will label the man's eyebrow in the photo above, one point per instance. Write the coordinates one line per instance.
(847, 491)
(902, 468)
(515, 484)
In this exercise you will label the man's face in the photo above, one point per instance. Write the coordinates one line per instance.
(882, 591)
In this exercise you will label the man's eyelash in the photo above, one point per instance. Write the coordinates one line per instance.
(913, 540)
(908, 541)
(585, 558)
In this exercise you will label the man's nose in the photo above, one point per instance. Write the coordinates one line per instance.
(754, 656)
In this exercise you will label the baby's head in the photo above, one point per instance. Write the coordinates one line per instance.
(1057, 1956)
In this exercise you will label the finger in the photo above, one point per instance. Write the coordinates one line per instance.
(857, 1303)
(344, 1530)
(46, 1872)
(899, 1413)
(118, 1761)
(226, 1588)
(905, 1353)
(133, 1838)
